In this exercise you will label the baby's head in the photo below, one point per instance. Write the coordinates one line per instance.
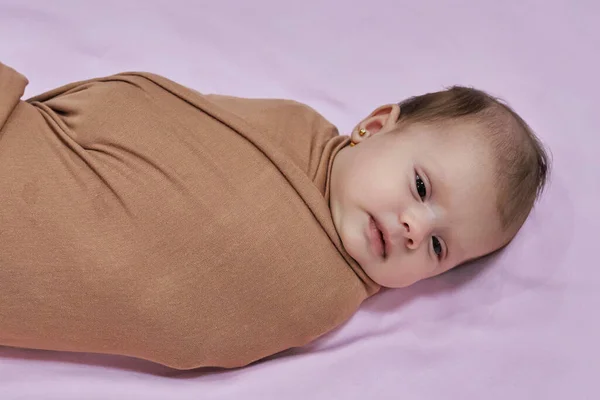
(443, 178)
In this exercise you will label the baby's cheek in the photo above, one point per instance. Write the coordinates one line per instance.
(409, 270)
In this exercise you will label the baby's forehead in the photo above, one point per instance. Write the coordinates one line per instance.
(461, 136)
(463, 185)
(472, 218)
(461, 161)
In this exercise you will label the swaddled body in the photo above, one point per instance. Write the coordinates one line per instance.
(141, 218)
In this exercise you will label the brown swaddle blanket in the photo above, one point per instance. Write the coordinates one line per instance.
(141, 218)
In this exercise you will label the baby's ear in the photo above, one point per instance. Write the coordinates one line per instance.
(382, 119)
(387, 110)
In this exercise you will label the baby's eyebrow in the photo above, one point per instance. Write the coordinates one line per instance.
(434, 182)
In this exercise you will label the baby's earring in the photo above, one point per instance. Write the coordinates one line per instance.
(361, 132)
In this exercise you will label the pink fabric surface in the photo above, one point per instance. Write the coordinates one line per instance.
(520, 325)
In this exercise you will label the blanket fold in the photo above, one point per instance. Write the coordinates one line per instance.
(142, 218)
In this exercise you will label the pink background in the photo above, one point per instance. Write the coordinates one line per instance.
(524, 325)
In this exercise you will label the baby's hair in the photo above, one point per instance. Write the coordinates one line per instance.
(522, 165)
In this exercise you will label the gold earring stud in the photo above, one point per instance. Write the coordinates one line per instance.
(362, 132)
(352, 144)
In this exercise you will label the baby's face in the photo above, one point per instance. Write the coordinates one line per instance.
(428, 191)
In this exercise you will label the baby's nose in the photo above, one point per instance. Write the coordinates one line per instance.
(415, 231)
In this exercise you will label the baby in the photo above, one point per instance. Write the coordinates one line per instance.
(142, 218)
(433, 182)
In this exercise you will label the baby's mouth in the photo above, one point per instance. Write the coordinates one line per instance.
(382, 236)
(378, 243)
(384, 253)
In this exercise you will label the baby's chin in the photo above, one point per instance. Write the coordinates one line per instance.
(354, 245)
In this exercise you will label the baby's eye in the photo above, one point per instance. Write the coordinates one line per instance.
(421, 189)
(437, 246)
